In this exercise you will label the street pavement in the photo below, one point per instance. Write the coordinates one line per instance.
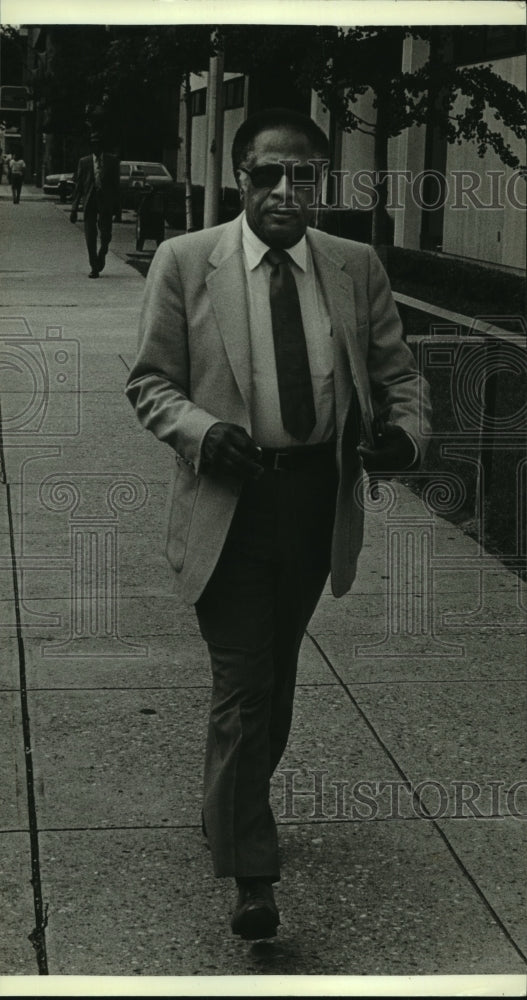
(401, 800)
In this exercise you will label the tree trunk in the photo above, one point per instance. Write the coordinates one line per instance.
(381, 227)
(189, 217)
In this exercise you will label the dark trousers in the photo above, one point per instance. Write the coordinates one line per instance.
(253, 615)
(97, 220)
(16, 187)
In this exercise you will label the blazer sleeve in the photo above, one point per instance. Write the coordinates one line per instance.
(159, 382)
(400, 394)
(77, 190)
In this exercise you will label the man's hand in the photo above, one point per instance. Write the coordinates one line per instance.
(227, 448)
(73, 215)
(394, 452)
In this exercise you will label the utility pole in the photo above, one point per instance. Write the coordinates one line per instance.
(214, 140)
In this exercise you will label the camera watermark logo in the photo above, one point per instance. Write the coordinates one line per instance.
(484, 376)
(472, 362)
(483, 371)
(39, 382)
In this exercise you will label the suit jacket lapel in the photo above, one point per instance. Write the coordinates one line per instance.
(339, 294)
(228, 295)
(227, 289)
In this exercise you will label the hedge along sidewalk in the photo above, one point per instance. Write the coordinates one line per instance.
(472, 324)
(470, 287)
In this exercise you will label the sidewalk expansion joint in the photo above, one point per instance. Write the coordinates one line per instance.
(423, 811)
(37, 937)
(3, 470)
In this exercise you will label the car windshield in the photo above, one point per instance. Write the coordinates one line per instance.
(153, 169)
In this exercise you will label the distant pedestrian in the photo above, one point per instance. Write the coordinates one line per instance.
(97, 186)
(7, 157)
(17, 170)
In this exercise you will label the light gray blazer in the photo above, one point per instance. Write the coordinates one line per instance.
(194, 368)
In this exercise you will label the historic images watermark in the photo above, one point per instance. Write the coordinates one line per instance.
(429, 190)
(315, 795)
(67, 527)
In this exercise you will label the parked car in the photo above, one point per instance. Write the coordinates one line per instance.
(59, 184)
(134, 174)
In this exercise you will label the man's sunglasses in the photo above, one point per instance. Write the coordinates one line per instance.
(270, 174)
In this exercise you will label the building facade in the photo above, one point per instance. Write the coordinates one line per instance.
(443, 196)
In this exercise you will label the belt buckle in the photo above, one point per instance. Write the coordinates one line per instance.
(276, 463)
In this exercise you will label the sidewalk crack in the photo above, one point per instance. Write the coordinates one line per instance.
(423, 811)
(37, 937)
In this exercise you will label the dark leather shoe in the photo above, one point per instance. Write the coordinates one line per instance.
(93, 274)
(256, 914)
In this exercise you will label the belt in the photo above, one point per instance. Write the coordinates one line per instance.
(298, 457)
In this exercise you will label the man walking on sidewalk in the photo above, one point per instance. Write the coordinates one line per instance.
(17, 170)
(97, 186)
(264, 345)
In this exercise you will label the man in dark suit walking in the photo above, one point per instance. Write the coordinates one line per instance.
(97, 186)
(267, 350)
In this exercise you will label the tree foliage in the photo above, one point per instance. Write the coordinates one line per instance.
(68, 81)
(347, 62)
(153, 57)
(131, 71)
(127, 73)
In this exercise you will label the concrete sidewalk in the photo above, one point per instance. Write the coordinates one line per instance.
(396, 799)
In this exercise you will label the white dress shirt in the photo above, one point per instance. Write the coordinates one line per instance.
(267, 428)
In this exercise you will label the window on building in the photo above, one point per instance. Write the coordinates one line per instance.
(233, 93)
(481, 43)
(198, 102)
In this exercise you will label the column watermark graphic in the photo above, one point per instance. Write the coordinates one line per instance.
(94, 563)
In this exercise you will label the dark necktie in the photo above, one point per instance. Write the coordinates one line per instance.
(295, 388)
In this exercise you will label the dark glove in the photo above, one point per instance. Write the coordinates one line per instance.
(394, 451)
(227, 448)
(73, 215)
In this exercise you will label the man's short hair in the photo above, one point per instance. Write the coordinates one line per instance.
(275, 118)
